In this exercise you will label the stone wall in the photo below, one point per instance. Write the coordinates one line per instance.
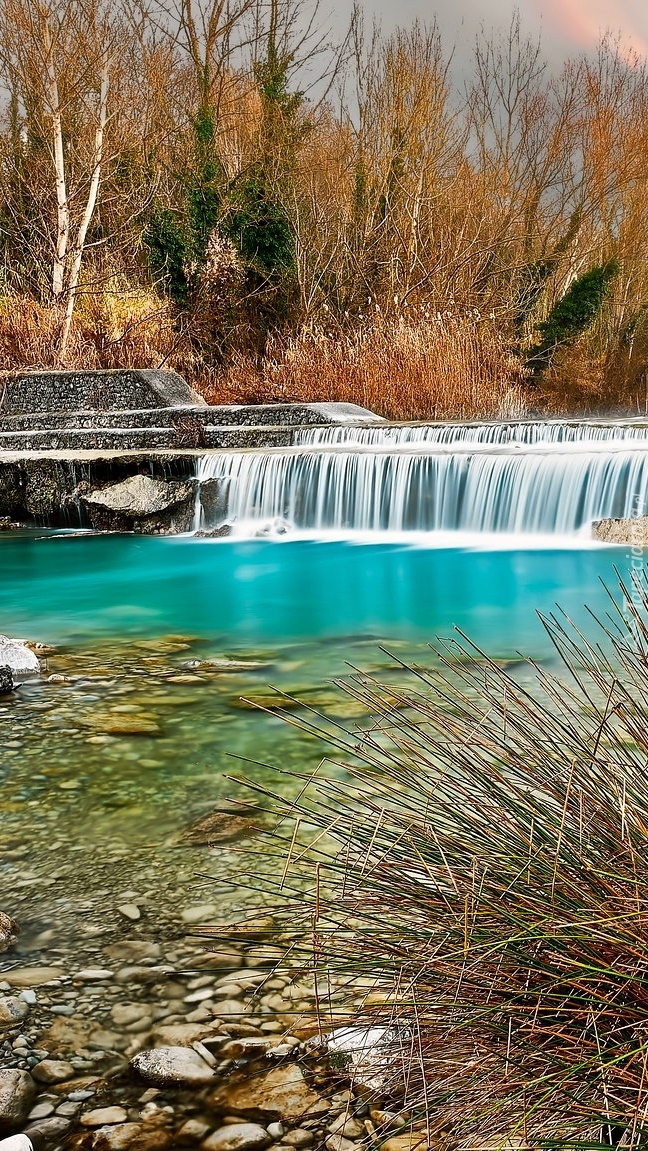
(42, 392)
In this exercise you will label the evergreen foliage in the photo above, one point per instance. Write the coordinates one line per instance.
(574, 313)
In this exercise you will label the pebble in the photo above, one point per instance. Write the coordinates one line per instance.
(93, 974)
(193, 1131)
(200, 913)
(32, 976)
(130, 911)
(102, 1116)
(12, 1010)
(347, 1126)
(339, 1143)
(130, 1137)
(53, 1071)
(167, 1065)
(41, 1111)
(300, 1137)
(237, 1137)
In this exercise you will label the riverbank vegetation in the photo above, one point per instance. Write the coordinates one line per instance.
(219, 189)
(480, 865)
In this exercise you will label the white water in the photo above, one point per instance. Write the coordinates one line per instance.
(539, 478)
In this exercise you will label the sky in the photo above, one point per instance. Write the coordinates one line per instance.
(566, 26)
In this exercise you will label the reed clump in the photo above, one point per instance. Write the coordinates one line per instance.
(408, 367)
(476, 858)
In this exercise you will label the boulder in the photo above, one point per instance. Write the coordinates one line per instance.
(172, 1065)
(142, 504)
(20, 659)
(279, 1094)
(17, 1091)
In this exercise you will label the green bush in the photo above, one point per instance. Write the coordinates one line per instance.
(574, 313)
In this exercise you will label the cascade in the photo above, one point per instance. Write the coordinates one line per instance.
(527, 477)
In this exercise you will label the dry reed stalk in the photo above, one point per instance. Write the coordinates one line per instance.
(419, 368)
(484, 868)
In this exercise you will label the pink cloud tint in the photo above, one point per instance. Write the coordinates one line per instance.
(584, 21)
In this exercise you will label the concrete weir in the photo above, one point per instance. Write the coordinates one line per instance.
(72, 443)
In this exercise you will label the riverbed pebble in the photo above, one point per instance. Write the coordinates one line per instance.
(237, 1137)
(172, 1065)
(53, 1071)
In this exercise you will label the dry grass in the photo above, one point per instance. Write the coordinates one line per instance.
(116, 328)
(406, 368)
(479, 859)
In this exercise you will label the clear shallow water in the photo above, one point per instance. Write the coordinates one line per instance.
(102, 769)
(240, 593)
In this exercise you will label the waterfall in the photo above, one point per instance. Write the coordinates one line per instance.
(531, 477)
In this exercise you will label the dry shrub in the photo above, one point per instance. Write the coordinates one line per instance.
(473, 878)
(118, 327)
(405, 368)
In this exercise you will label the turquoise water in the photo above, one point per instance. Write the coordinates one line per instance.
(104, 765)
(68, 589)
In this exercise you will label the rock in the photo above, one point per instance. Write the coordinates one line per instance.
(168, 1065)
(130, 1137)
(130, 911)
(104, 1116)
(16, 1143)
(32, 976)
(9, 929)
(47, 1132)
(133, 950)
(182, 1034)
(300, 1137)
(53, 1071)
(219, 827)
(250, 1048)
(93, 974)
(17, 1092)
(339, 1143)
(142, 504)
(279, 1094)
(237, 1137)
(193, 1131)
(6, 680)
(406, 1142)
(12, 1010)
(348, 1126)
(15, 655)
(200, 913)
(622, 531)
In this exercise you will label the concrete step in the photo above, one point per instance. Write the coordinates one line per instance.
(75, 439)
(186, 417)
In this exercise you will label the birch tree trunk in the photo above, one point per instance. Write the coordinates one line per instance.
(77, 252)
(62, 205)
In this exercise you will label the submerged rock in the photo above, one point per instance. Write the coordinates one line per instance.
(280, 1094)
(6, 681)
(18, 657)
(167, 1065)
